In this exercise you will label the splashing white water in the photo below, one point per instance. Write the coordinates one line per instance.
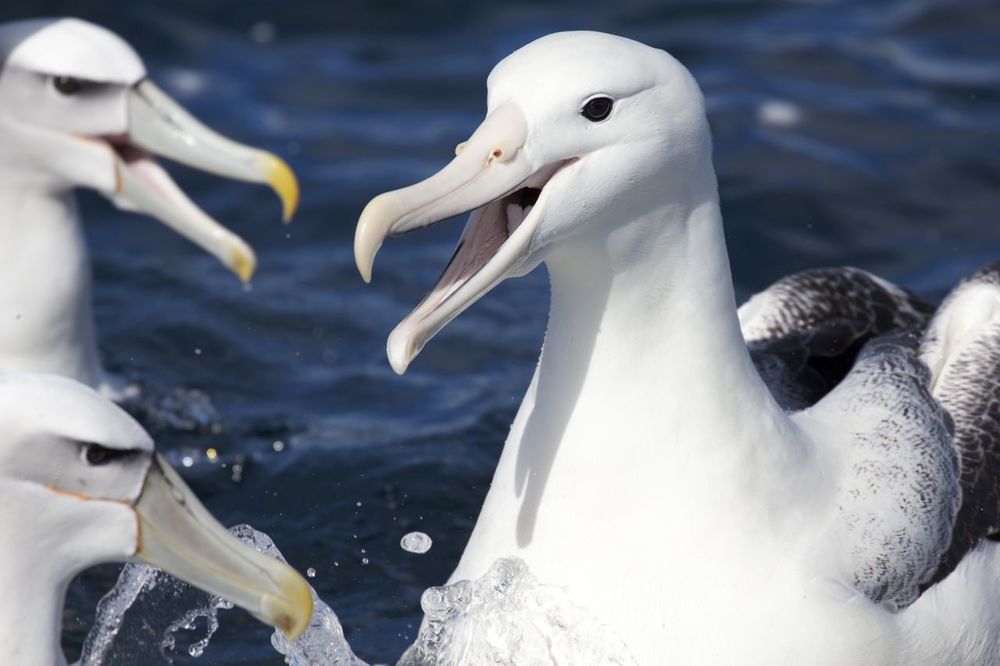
(157, 596)
(507, 618)
(323, 643)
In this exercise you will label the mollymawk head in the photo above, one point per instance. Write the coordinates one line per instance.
(78, 110)
(580, 133)
(650, 470)
(80, 484)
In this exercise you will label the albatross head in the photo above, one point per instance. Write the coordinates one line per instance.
(583, 130)
(77, 110)
(80, 484)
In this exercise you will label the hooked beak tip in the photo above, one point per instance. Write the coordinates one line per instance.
(365, 269)
(291, 614)
(244, 264)
(374, 225)
(282, 180)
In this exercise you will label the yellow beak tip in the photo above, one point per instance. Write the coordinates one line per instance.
(282, 180)
(297, 610)
(244, 265)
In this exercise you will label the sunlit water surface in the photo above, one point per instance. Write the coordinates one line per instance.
(845, 133)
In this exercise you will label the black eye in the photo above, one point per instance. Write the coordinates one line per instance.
(67, 85)
(597, 109)
(97, 455)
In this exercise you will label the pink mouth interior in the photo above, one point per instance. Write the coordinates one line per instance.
(488, 229)
(146, 168)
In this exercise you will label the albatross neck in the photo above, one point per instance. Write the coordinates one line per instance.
(31, 611)
(643, 324)
(45, 299)
(644, 403)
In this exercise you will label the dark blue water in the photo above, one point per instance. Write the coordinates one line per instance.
(846, 133)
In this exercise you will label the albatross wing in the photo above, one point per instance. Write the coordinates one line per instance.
(962, 349)
(805, 330)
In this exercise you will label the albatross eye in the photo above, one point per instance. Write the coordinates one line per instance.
(597, 109)
(67, 85)
(97, 455)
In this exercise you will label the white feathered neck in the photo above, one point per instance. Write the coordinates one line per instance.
(648, 455)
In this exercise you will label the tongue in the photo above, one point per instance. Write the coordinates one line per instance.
(515, 216)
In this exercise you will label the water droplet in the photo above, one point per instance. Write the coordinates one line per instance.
(364, 560)
(779, 113)
(187, 461)
(278, 446)
(197, 351)
(311, 572)
(357, 504)
(263, 32)
(416, 542)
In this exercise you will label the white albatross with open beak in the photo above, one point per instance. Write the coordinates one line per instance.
(649, 471)
(77, 110)
(80, 484)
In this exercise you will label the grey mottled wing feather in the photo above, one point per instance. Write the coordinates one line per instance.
(900, 493)
(916, 413)
(962, 345)
(805, 330)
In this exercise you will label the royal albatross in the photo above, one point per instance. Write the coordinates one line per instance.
(80, 484)
(650, 471)
(77, 110)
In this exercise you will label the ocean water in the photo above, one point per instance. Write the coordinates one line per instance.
(854, 133)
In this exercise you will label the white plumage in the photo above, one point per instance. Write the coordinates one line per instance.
(650, 471)
(77, 110)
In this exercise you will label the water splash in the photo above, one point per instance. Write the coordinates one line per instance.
(416, 542)
(507, 618)
(163, 610)
(156, 597)
(323, 643)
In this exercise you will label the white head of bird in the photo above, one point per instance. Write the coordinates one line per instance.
(80, 484)
(78, 110)
(585, 133)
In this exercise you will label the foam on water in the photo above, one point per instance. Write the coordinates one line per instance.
(508, 618)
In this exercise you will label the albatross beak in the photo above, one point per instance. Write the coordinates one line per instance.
(160, 126)
(178, 535)
(485, 167)
(491, 173)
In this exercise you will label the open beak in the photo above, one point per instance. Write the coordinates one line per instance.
(492, 176)
(160, 126)
(178, 535)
